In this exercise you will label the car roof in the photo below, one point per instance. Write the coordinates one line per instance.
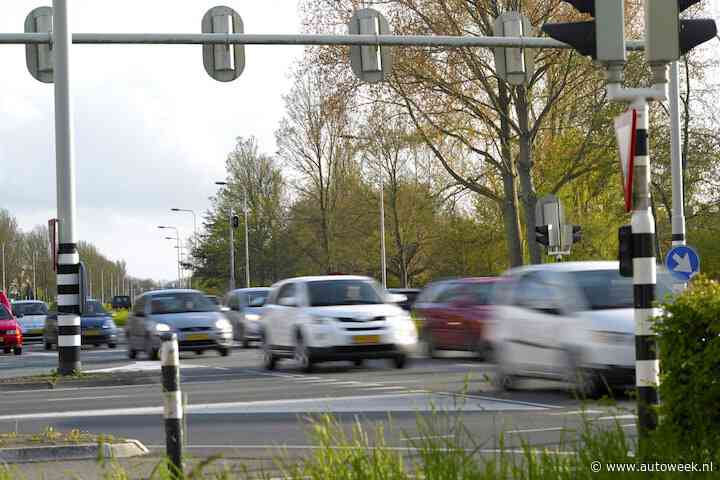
(567, 267)
(172, 290)
(326, 277)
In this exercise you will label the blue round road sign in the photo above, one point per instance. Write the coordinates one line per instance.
(682, 262)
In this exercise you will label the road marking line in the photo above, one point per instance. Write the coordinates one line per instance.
(544, 429)
(68, 399)
(429, 437)
(576, 412)
(472, 365)
(400, 449)
(360, 385)
(618, 417)
(377, 389)
(320, 380)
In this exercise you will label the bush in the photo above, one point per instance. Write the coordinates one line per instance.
(689, 343)
(120, 317)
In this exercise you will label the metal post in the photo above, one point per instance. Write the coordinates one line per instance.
(177, 241)
(173, 405)
(678, 207)
(102, 286)
(3, 268)
(34, 277)
(647, 364)
(232, 253)
(247, 243)
(68, 282)
(383, 265)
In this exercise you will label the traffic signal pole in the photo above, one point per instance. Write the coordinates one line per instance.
(68, 280)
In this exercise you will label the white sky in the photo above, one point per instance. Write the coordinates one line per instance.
(152, 130)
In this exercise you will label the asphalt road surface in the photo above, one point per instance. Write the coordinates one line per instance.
(236, 408)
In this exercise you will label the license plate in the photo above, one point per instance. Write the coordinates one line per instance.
(366, 339)
(92, 333)
(197, 336)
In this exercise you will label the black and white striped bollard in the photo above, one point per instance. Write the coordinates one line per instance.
(68, 305)
(647, 365)
(173, 405)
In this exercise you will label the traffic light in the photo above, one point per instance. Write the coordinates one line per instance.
(542, 234)
(603, 38)
(235, 221)
(662, 19)
(625, 251)
(576, 233)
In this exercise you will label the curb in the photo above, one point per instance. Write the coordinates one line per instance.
(114, 380)
(84, 451)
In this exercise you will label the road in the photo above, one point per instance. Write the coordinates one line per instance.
(236, 408)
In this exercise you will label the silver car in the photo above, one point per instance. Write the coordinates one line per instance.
(244, 307)
(31, 315)
(197, 321)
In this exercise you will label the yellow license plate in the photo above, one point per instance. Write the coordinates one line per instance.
(92, 333)
(366, 339)
(197, 336)
(36, 330)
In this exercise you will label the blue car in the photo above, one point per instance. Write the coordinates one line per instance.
(96, 327)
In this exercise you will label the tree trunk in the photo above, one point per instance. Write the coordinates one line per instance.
(511, 222)
(525, 164)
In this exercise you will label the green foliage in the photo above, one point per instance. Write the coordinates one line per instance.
(689, 342)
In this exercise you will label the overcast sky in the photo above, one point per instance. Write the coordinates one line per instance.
(152, 130)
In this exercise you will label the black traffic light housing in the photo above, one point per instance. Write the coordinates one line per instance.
(235, 221)
(625, 250)
(576, 233)
(542, 235)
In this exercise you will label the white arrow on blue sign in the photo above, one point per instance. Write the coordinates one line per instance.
(682, 262)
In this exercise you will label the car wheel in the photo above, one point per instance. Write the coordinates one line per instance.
(401, 361)
(112, 345)
(132, 353)
(199, 352)
(582, 382)
(504, 381)
(302, 356)
(48, 346)
(17, 350)
(6, 350)
(358, 362)
(269, 358)
(224, 351)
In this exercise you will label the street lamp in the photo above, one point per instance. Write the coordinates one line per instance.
(194, 227)
(247, 242)
(177, 239)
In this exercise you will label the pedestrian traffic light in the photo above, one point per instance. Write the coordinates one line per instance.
(235, 221)
(603, 38)
(625, 251)
(667, 37)
(542, 234)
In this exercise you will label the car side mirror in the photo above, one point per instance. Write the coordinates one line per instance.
(288, 302)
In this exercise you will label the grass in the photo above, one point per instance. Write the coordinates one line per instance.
(442, 449)
(50, 436)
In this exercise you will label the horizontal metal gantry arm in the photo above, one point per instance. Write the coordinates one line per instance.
(296, 39)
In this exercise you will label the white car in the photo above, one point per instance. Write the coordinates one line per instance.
(334, 318)
(571, 321)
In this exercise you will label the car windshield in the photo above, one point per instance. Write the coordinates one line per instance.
(4, 314)
(257, 299)
(182, 303)
(605, 289)
(30, 308)
(327, 293)
(94, 308)
(213, 299)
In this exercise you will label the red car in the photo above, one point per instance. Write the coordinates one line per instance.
(10, 334)
(454, 315)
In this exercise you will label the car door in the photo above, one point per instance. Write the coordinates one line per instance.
(283, 318)
(446, 322)
(135, 331)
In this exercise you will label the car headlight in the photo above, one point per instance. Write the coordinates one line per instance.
(223, 324)
(321, 320)
(252, 317)
(162, 327)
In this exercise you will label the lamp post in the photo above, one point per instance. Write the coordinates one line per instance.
(177, 239)
(195, 232)
(3, 268)
(247, 239)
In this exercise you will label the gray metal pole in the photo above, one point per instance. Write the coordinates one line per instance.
(383, 264)
(102, 286)
(247, 244)
(68, 282)
(3, 267)
(177, 240)
(647, 365)
(232, 253)
(34, 276)
(678, 207)
(192, 275)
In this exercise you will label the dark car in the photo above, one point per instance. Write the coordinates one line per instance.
(96, 327)
(410, 293)
(121, 302)
(455, 315)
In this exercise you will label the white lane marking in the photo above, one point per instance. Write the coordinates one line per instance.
(342, 447)
(377, 389)
(429, 437)
(472, 365)
(544, 429)
(142, 366)
(68, 399)
(394, 402)
(577, 412)
(629, 425)
(618, 417)
(360, 385)
(320, 380)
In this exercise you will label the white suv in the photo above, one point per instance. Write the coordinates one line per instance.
(333, 318)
